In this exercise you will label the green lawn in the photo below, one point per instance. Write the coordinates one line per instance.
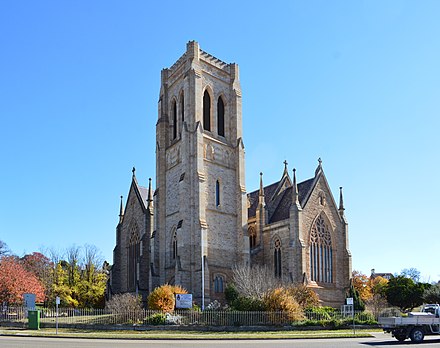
(190, 334)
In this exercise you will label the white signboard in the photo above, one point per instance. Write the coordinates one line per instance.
(184, 300)
(57, 300)
(350, 300)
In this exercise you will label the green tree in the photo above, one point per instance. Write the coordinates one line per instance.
(359, 305)
(404, 293)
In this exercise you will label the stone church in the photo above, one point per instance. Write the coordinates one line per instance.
(199, 221)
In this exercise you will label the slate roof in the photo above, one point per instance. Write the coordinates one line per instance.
(253, 197)
(278, 207)
(144, 194)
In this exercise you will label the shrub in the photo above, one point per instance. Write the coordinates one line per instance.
(320, 313)
(280, 300)
(163, 297)
(242, 303)
(231, 294)
(305, 296)
(156, 319)
(248, 304)
(126, 307)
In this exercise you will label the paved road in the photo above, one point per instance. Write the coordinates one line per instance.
(380, 340)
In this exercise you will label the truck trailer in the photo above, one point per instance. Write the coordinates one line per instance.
(415, 326)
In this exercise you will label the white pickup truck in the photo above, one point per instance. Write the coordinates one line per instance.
(415, 326)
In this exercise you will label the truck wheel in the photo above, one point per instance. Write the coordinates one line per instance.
(417, 335)
(401, 337)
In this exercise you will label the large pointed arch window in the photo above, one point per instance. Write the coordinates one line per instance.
(133, 258)
(206, 111)
(220, 117)
(277, 258)
(321, 252)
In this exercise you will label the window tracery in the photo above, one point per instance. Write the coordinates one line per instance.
(321, 252)
(133, 257)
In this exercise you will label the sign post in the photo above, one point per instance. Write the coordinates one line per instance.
(350, 302)
(57, 302)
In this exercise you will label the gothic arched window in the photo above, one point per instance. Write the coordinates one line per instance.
(133, 258)
(206, 111)
(277, 258)
(321, 252)
(220, 117)
(219, 283)
(182, 107)
(174, 120)
(174, 245)
(252, 237)
(217, 193)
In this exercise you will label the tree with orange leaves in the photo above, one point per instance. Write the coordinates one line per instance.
(362, 284)
(15, 281)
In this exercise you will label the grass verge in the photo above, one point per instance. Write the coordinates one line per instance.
(188, 335)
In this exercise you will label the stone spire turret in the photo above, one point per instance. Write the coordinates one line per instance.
(150, 194)
(295, 188)
(341, 202)
(295, 198)
(261, 199)
(121, 211)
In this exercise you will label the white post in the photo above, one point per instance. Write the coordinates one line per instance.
(203, 271)
(57, 302)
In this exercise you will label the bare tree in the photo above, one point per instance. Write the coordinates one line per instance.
(92, 260)
(254, 282)
(55, 255)
(412, 273)
(73, 259)
(376, 304)
(4, 250)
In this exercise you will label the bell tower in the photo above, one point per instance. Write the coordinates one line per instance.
(200, 198)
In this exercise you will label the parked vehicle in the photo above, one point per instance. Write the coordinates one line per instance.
(415, 326)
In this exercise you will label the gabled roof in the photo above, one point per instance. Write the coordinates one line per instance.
(278, 201)
(141, 193)
(281, 211)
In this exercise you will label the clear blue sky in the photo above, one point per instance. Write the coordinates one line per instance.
(356, 83)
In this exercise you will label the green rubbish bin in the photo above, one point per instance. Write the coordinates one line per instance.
(34, 320)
